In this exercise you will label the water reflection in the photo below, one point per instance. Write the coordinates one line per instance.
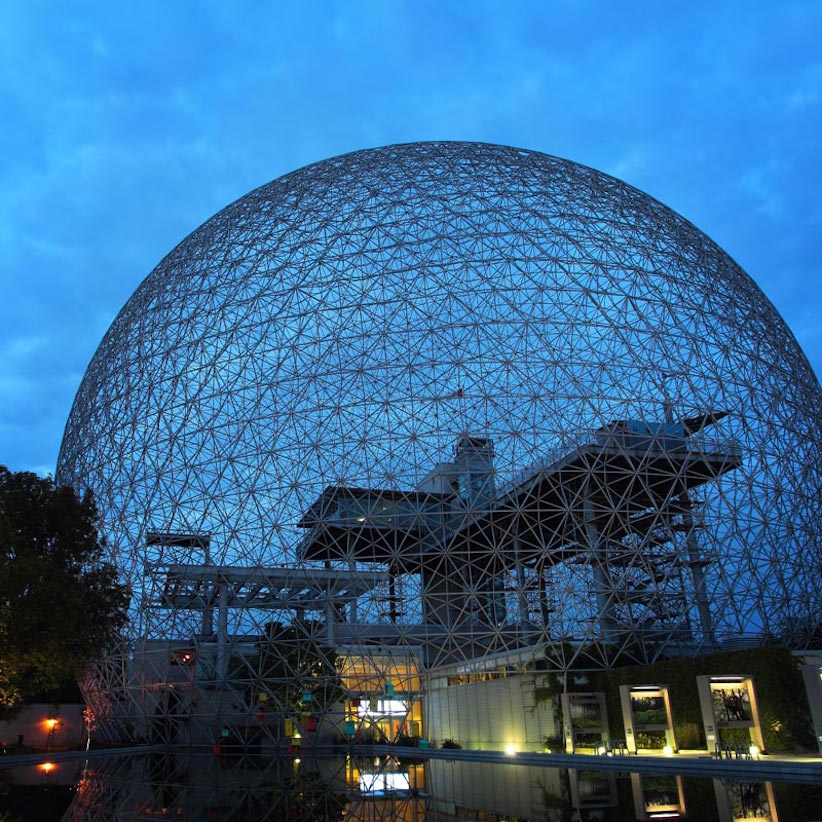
(202, 786)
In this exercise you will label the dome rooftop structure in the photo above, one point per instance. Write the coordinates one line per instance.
(519, 400)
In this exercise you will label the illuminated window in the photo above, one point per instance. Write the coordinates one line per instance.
(384, 707)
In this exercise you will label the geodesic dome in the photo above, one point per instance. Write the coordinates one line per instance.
(528, 369)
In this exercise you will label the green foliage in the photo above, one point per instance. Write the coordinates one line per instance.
(60, 602)
(546, 688)
(650, 740)
(783, 703)
(689, 735)
(293, 662)
(450, 743)
(736, 736)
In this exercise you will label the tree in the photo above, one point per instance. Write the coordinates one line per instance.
(60, 602)
(294, 663)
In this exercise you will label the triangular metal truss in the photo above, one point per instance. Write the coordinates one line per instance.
(421, 405)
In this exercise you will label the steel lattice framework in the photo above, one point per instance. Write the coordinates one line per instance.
(482, 399)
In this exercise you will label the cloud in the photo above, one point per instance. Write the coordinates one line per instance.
(129, 127)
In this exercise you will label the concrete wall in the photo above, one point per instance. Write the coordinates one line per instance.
(488, 715)
(812, 675)
(69, 732)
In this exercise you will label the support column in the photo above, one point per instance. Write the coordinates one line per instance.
(695, 561)
(352, 566)
(208, 594)
(208, 615)
(330, 620)
(599, 564)
(222, 630)
(543, 594)
(522, 599)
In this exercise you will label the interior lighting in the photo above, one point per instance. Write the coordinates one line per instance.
(383, 707)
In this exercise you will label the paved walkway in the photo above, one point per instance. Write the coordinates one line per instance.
(776, 768)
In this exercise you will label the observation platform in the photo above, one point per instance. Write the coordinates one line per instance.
(620, 481)
(196, 587)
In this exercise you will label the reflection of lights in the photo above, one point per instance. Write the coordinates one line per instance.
(511, 749)
(47, 767)
(668, 750)
(385, 781)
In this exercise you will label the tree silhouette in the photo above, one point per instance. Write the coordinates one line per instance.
(60, 602)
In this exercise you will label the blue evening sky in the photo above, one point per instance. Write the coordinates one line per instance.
(126, 125)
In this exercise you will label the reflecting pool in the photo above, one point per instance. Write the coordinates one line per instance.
(204, 786)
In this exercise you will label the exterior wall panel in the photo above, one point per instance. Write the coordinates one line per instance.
(489, 715)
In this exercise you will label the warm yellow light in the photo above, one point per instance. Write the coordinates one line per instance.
(754, 751)
(668, 750)
(50, 724)
(47, 767)
(601, 750)
(511, 749)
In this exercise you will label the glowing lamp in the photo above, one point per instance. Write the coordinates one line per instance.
(668, 750)
(754, 751)
(511, 749)
(601, 750)
(51, 723)
(47, 767)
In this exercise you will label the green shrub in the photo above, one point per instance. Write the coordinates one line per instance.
(780, 691)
